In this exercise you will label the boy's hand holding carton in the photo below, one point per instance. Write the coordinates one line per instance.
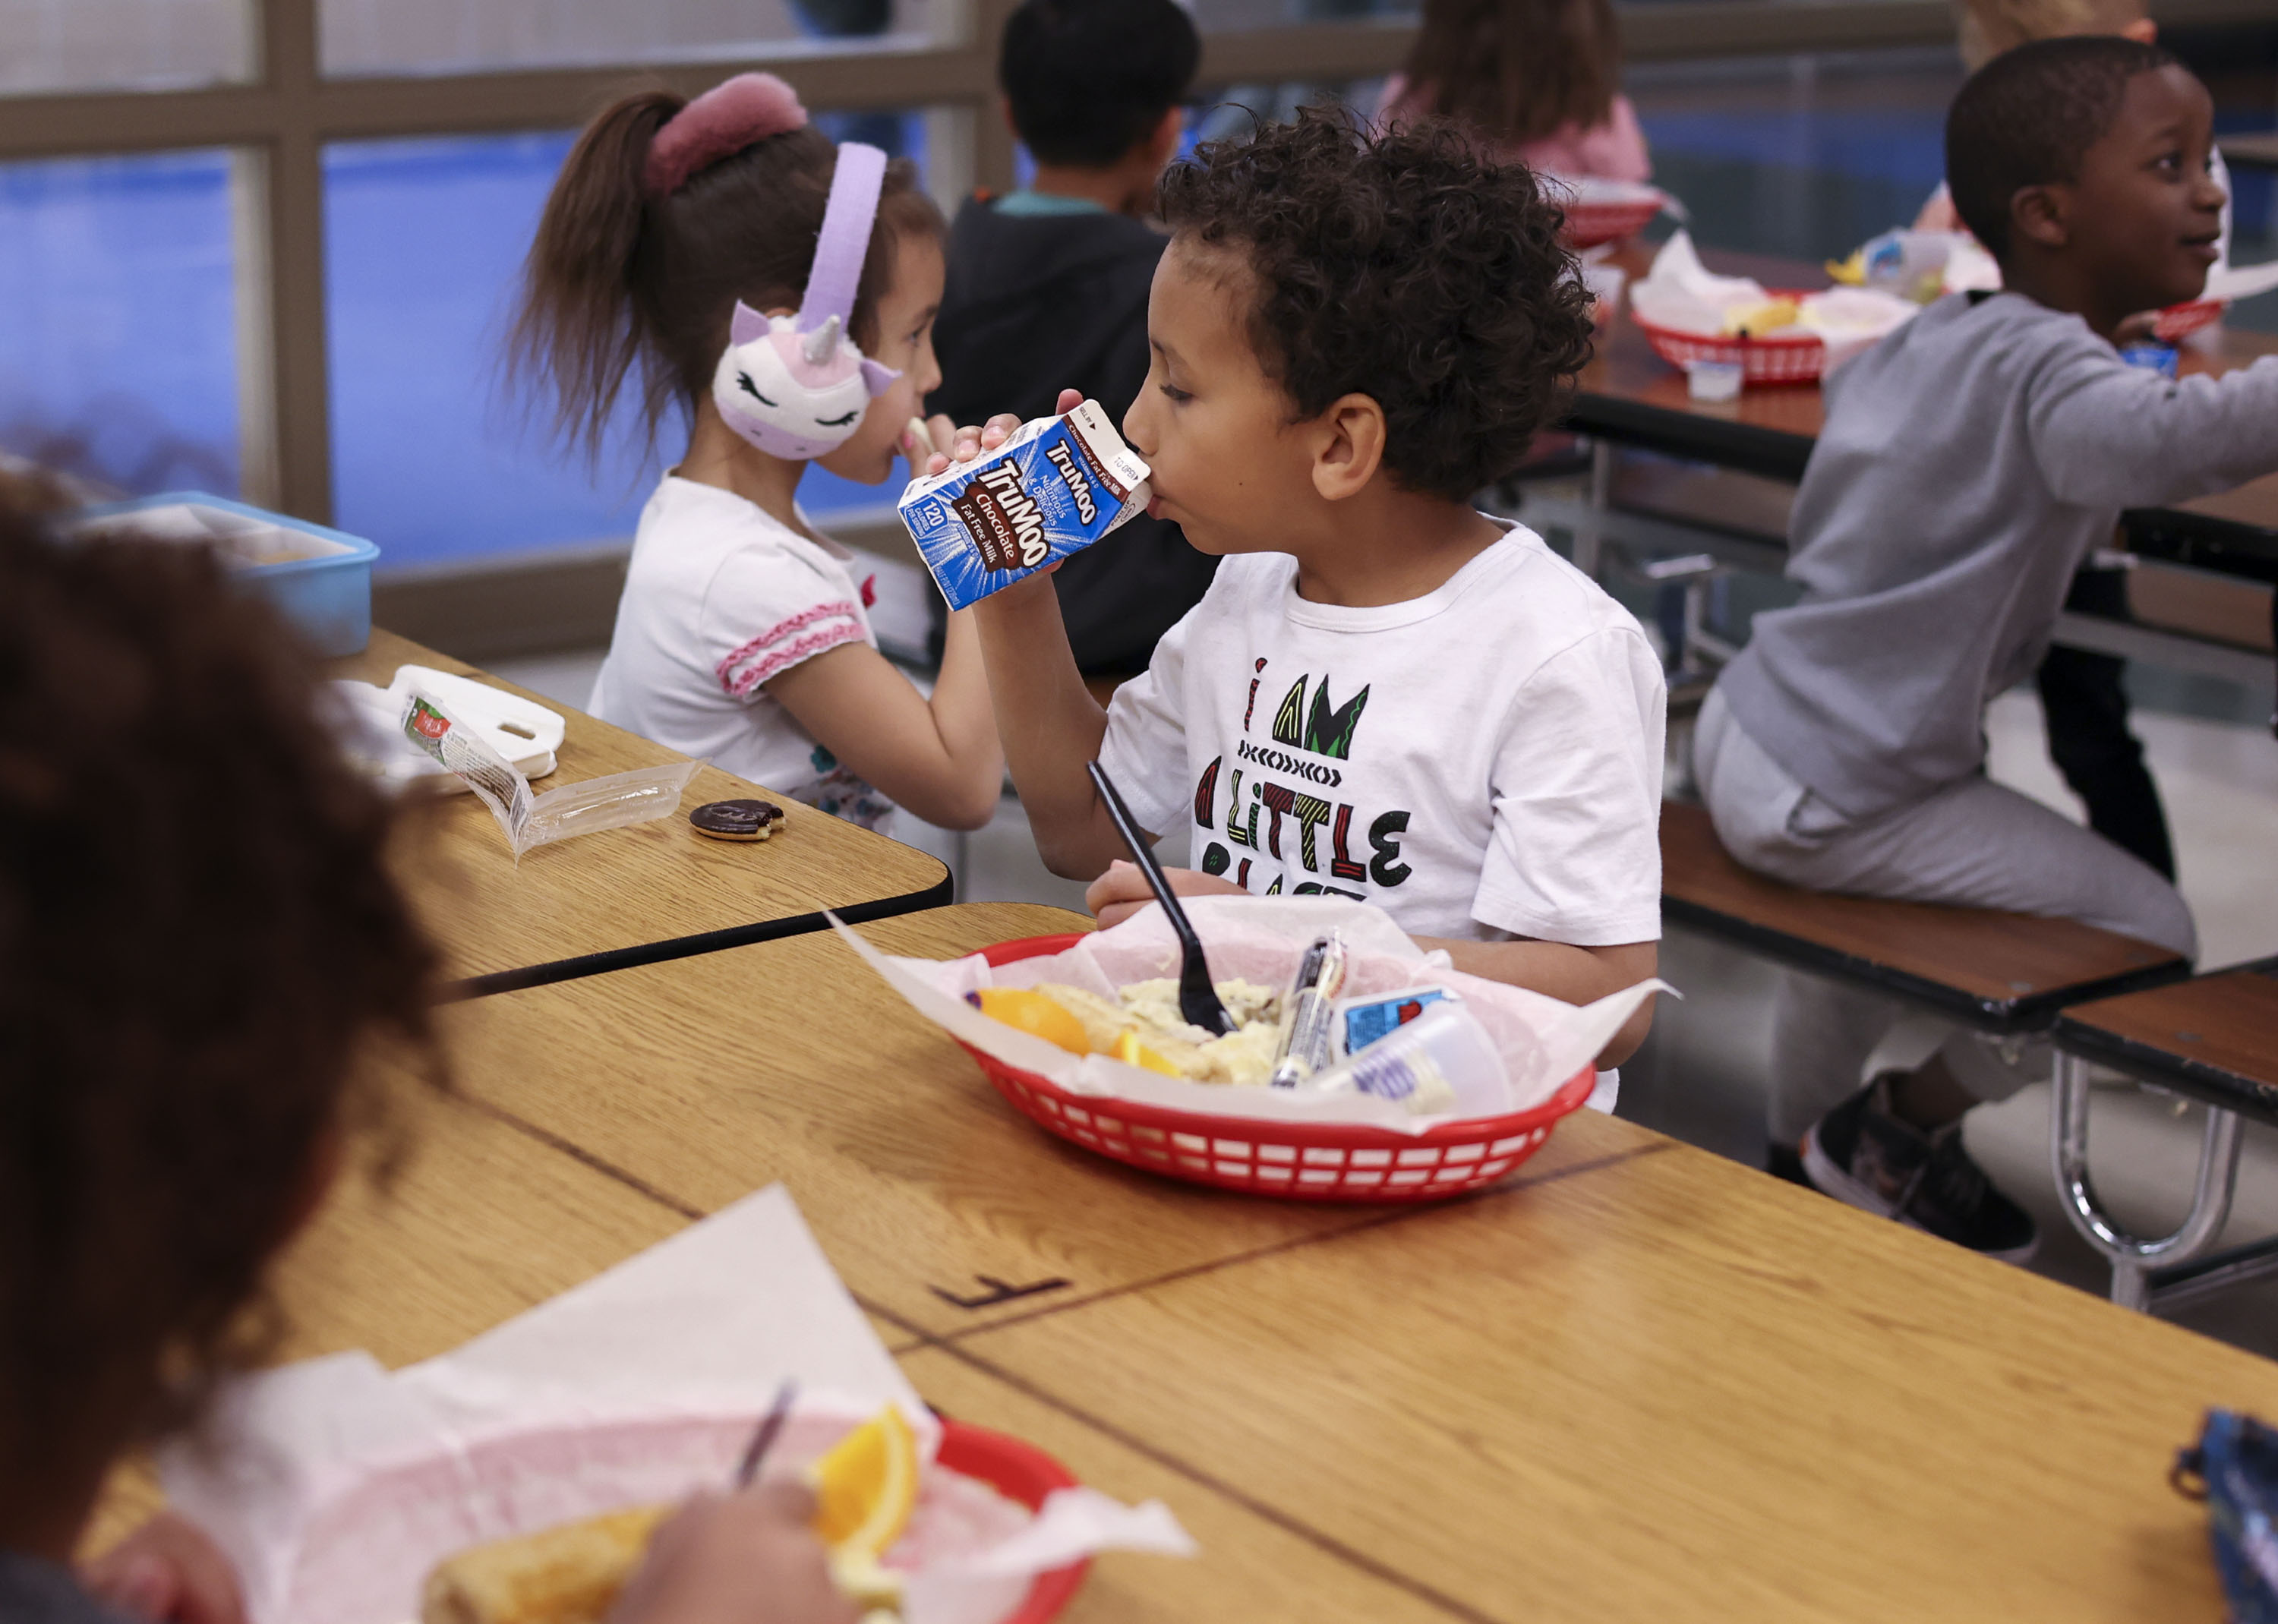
(1050, 489)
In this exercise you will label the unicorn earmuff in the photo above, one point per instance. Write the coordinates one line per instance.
(796, 386)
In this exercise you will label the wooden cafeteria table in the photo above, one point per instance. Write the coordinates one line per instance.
(707, 1077)
(1672, 1387)
(1634, 1381)
(487, 1219)
(1629, 395)
(631, 895)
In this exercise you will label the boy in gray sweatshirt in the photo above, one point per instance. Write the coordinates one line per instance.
(1969, 465)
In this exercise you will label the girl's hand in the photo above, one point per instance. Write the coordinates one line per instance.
(949, 444)
(169, 1572)
(747, 1557)
(1123, 890)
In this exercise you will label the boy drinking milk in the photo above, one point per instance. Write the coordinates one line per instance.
(1384, 695)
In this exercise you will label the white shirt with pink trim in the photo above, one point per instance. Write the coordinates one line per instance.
(720, 598)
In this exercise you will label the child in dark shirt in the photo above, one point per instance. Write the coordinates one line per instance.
(199, 939)
(1047, 287)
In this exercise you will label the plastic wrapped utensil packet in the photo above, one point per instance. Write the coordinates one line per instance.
(527, 820)
(467, 755)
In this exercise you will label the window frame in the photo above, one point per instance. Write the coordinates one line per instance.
(280, 121)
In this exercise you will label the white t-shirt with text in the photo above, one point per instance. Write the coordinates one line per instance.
(719, 597)
(1482, 762)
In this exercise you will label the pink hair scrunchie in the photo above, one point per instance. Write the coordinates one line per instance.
(718, 124)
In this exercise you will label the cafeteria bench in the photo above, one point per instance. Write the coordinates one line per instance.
(2213, 1039)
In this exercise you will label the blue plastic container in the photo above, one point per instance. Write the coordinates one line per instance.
(2161, 358)
(320, 579)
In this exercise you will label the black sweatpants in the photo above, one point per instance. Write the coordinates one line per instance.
(2088, 739)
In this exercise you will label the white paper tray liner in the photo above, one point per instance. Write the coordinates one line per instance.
(1543, 1041)
(335, 1485)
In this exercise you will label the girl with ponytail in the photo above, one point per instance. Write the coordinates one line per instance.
(726, 265)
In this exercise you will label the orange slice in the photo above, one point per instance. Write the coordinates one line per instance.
(1132, 1052)
(864, 1490)
(1038, 1014)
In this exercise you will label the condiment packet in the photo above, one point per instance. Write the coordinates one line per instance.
(367, 719)
(1540, 1041)
(334, 1485)
(1056, 487)
(1361, 1021)
(587, 808)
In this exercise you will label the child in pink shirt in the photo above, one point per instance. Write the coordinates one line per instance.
(1533, 78)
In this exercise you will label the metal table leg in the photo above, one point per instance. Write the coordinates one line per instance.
(2132, 1257)
(1590, 532)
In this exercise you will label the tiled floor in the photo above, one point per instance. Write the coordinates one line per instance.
(1699, 1076)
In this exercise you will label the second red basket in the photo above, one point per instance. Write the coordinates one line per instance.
(1795, 359)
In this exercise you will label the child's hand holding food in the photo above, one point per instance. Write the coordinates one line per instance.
(749, 1557)
(1122, 890)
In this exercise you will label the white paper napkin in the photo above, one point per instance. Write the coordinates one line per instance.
(1682, 293)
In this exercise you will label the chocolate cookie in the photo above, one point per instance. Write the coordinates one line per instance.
(737, 819)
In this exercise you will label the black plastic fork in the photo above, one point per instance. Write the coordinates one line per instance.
(1198, 1001)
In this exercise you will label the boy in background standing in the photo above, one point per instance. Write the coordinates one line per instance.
(1047, 286)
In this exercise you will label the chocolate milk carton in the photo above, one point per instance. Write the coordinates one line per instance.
(1056, 487)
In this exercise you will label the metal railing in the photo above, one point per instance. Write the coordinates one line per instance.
(279, 123)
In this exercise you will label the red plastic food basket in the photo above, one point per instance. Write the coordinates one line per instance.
(1590, 223)
(1301, 1162)
(1762, 361)
(1026, 1476)
(2178, 321)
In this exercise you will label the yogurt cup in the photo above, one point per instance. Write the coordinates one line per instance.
(1713, 380)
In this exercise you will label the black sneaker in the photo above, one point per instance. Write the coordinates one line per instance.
(1862, 1155)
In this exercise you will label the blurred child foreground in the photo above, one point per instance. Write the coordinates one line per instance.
(1385, 695)
(169, 1120)
(1968, 464)
(1047, 287)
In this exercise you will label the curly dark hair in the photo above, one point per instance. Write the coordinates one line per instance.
(198, 938)
(1405, 266)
